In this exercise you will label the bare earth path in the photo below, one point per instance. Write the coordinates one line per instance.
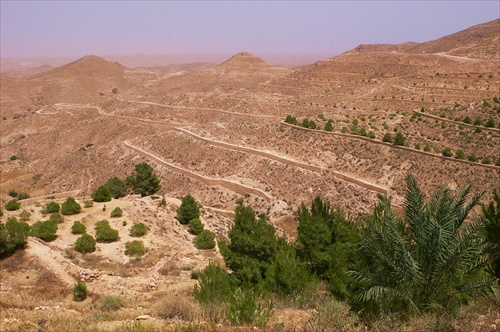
(53, 260)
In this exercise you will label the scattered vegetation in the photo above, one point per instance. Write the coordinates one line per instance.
(13, 235)
(104, 232)
(12, 205)
(138, 230)
(189, 209)
(70, 207)
(51, 207)
(117, 212)
(205, 240)
(135, 248)
(45, 230)
(85, 244)
(78, 228)
(79, 291)
(144, 181)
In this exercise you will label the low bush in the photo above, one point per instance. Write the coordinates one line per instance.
(78, 228)
(56, 218)
(51, 207)
(79, 291)
(13, 235)
(102, 194)
(22, 196)
(112, 303)
(138, 230)
(85, 244)
(135, 248)
(486, 160)
(170, 268)
(12, 205)
(117, 212)
(25, 216)
(196, 226)
(45, 230)
(205, 240)
(70, 207)
(104, 232)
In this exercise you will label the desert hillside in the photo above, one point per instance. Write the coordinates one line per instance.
(346, 128)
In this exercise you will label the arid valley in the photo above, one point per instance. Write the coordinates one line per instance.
(242, 132)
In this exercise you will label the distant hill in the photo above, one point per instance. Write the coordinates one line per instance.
(245, 62)
(480, 41)
(90, 66)
(88, 77)
(242, 70)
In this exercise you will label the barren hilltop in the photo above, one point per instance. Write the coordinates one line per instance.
(218, 132)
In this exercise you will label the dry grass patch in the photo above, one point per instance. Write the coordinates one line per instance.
(176, 306)
(170, 269)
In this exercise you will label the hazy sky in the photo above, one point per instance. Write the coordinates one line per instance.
(79, 28)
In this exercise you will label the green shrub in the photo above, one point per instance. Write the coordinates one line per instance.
(102, 194)
(387, 138)
(13, 193)
(56, 218)
(45, 230)
(13, 235)
(329, 125)
(144, 181)
(460, 154)
(117, 212)
(252, 245)
(117, 187)
(427, 148)
(189, 209)
(22, 196)
(139, 229)
(25, 216)
(85, 244)
(287, 274)
(447, 152)
(88, 203)
(79, 291)
(399, 139)
(205, 240)
(490, 123)
(51, 207)
(196, 226)
(112, 303)
(78, 228)
(213, 291)
(472, 158)
(135, 248)
(486, 160)
(12, 205)
(70, 207)
(13, 157)
(104, 232)
(291, 119)
(247, 307)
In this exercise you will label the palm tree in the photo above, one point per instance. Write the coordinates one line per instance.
(430, 260)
